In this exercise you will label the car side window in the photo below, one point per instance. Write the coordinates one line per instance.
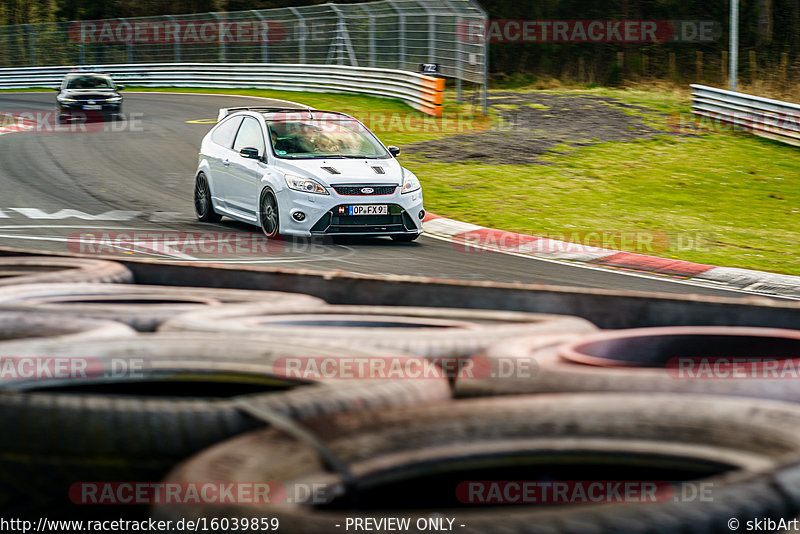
(250, 135)
(223, 135)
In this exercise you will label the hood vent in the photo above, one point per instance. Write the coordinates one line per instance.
(331, 170)
(379, 170)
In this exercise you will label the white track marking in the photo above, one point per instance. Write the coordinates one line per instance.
(113, 215)
(175, 255)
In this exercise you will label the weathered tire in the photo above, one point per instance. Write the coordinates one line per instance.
(510, 367)
(181, 398)
(43, 269)
(647, 360)
(21, 325)
(411, 462)
(140, 306)
(429, 332)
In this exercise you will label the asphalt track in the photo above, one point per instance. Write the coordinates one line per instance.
(135, 178)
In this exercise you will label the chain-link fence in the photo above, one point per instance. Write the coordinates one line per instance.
(394, 34)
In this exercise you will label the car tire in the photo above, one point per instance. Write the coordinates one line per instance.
(405, 238)
(16, 270)
(23, 325)
(269, 215)
(742, 451)
(640, 360)
(180, 394)
(142, 307)
(425, 331)
(203, 206)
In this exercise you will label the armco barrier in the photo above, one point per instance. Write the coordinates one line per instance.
(421, 92)
(764, 117)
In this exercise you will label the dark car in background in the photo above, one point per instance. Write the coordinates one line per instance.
(87, 96)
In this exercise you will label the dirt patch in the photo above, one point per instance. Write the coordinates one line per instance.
(530, 125)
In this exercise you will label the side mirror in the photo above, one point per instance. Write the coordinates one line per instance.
(393, 150)
(120, 87)
(249, 153)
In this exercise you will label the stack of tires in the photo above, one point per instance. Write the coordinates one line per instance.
(223, 410)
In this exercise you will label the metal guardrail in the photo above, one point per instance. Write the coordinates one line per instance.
(420, 92)
(764, 117)
(384, 34)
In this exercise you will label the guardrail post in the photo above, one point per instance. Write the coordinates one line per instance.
(485, 89)
(265, 43)
(222, 57)
(342, 44)
(734, 43)
(301, 35)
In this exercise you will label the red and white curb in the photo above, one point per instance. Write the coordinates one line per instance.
(20, 125)
(467, 237)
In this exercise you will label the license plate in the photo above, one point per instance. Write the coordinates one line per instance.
(95, 106)
(369, 209)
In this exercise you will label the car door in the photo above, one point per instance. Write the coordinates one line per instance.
(219, 158)
(245, 172)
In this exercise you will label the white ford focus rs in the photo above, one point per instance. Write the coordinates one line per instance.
(305, 172)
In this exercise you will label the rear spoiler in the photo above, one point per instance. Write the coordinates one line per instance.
(224, 112)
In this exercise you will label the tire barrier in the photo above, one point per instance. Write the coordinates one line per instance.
(137, 406)
(20, 325)
(428, 332)
(43, 269)
(741, 361)
(441, 462)
(140, 306)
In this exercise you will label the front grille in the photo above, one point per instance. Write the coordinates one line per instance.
(99, 99)
(334, 223)
(356, 190)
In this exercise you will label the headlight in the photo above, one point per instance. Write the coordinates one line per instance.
(65, 99)
(306, 185)
(410, 182)
(114, 99)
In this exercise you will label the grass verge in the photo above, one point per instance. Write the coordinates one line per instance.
(727, 199)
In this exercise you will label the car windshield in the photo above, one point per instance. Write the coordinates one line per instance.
(89, 82)
(318, 137)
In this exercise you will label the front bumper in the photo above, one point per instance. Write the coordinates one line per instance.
(75, 109)
(323, 216)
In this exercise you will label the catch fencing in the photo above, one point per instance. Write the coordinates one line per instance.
(400, 35)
